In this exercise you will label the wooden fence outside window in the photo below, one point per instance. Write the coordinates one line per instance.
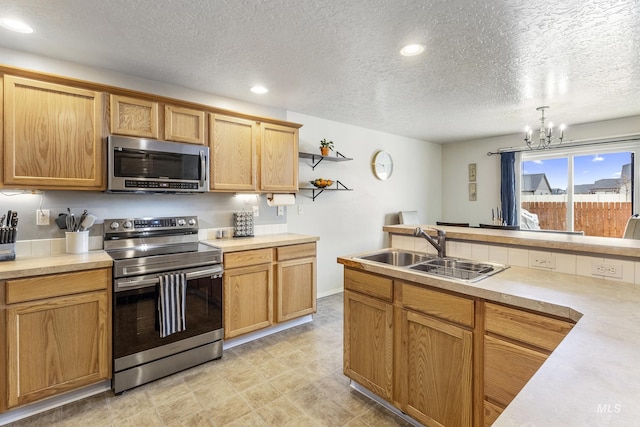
(604, 219)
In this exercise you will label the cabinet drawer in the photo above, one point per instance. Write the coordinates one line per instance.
(535, 329)
(39, 287)
(247, 258)
(437, 303)
(305, 250)
(507, 368)
(365, 283)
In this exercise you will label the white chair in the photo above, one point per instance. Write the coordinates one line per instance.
(632, 230)
(409, 217)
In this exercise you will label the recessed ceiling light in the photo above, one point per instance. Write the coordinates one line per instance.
(412, 49)
(15, 25)
(259, 89)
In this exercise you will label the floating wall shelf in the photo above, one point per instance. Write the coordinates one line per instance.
(317, 191)
(317, 158)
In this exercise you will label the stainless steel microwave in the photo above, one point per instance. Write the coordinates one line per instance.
(149, 166)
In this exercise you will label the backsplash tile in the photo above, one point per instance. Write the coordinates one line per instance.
(498, 254)
(566, 263)
(518, 257)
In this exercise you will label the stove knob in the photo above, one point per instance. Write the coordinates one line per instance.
(114, 225)
(127, 224)
(181, 222)
(192, 222)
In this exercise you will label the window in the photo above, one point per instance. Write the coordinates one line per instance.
(581, 191)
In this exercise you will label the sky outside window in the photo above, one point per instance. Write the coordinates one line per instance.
(587, 169)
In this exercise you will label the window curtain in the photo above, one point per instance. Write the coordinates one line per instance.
(508, 188)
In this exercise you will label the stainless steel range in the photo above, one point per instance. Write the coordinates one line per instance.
(167, 301)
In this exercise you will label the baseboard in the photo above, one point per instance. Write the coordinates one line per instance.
(330, 292)
(54, 402)
(252, 336)
(354, 385)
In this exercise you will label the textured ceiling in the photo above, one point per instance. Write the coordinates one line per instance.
(488, 64)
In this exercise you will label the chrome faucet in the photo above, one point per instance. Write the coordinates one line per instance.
(439, 243)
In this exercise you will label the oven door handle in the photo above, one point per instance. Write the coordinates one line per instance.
(215, 271)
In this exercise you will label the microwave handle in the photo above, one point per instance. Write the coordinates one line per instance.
(203, 168)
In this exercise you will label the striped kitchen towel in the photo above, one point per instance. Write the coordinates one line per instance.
(172, 303)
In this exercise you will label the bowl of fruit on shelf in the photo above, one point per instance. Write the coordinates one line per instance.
(321, 182)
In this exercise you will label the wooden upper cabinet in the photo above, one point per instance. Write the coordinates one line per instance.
(233, 145)
(52, 136)
(184, 125)
(278, 158)
(134, 117)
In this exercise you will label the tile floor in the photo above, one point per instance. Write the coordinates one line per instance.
(292, 378)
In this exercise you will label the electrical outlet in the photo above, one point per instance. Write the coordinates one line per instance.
(606, 270)
(42, 216)
(256, 210)
(300, 210)
(542, 260)
(280, 210)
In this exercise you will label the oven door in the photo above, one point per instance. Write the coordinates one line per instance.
(136, 332)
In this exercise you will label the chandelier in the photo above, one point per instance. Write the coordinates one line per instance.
(546, 137)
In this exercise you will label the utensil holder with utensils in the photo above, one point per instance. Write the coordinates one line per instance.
(77, 242)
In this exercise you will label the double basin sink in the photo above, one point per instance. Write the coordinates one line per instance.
(452, 268)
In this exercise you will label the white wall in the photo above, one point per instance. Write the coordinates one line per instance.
(456, 206)
(351, 222)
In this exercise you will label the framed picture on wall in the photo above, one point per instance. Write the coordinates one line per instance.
(472, 172)
(473, 194)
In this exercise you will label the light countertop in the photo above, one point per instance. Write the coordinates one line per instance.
(539, 240)
(593, 377)
(260, 242)
(62, 263)
(36, 266)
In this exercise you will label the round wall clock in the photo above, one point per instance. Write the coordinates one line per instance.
(382, 165)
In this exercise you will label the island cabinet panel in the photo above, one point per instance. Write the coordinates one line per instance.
(491, 413)
(437, 303)
(295, 281)
(278, 158)
(57, 337)
(369, 284)
(435, 371)
(134, 117)
(368, 342)
(516, 343)
(507, 368)
(52, 136)
(184, 125)
(233, 147)
(535, 329)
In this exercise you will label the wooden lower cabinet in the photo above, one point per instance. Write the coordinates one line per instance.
(58, 342)
(368, 342)
(253, 302)
(435, 371)
(295, 281)
(516, 344)
(443, 358)
(248, 299)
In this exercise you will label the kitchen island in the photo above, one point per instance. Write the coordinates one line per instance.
(592, 377)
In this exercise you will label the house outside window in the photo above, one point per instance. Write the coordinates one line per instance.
(588, 189)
